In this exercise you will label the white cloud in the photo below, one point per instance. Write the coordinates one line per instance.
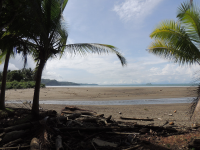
(108, 70)
(135, 9)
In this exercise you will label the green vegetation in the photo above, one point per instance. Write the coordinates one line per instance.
(21, 85)
(19, 75)
(20, 79)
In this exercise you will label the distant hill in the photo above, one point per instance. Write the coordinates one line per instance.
(49, 82)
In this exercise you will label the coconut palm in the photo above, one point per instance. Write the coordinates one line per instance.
(179, 40)
(50, 38)
(10, 44)
(12, 41)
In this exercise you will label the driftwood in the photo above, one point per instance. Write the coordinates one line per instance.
(133, 147)
(12, 142)
(59, 143)
(92, 129)
(74, 116)
(125, 118)
(123, 133)
(102, 143)
(35, 144)
(99, 115)
(95, 120)
(82, 113)
(14, 135)
(20, 126)
(16, 147)
(80, 130)
(71, 108)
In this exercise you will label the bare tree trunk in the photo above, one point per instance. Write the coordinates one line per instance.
(35, 106)
(3, 84)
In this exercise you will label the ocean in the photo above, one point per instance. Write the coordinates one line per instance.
(134, 85)
(115, 102)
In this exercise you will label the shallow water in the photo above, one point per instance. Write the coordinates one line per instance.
(116, 102)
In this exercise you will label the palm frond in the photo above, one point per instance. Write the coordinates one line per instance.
(171, 35)
(189, 17)
(172, 53)
(95, 48)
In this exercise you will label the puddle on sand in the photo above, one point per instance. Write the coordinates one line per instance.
(115, 102)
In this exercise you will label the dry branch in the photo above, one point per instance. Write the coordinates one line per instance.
(124, 118)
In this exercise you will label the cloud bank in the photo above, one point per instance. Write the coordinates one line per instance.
(136, 10)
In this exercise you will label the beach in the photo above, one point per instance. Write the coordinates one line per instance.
(159, 112)
(101, 93)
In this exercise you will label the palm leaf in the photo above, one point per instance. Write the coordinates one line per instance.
(95, 48)
(172, 36)
(189, 17)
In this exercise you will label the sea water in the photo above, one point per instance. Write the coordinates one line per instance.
(115, 102)
(135, 85)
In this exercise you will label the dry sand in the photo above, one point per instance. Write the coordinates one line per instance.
(181, 117)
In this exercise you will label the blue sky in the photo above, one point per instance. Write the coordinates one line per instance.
(125, 24)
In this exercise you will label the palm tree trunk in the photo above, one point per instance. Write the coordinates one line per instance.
(3, 83)
(35, 106)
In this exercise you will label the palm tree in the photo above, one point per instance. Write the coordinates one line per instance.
(10, 44)
(12, 40)
(179, 40)
(50, 38)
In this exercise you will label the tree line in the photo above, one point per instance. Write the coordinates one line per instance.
(37, 28)
(20, 79)
(19, 75)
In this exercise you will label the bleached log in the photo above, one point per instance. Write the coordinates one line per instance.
(59, 145)
(35, 144)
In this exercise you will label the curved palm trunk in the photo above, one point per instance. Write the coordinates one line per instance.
(35, 106)
(3, 84)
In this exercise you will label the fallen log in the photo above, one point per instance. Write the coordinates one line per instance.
(72, 108)
(95, 129)
(59, 143)
(133, 147)
(124, 118)
(157, 128)
(74, 116)
(17, 147)
(35, 144)
(12, 142)
(10, 136)
(102, 143)
(20, 126)
(82, 113)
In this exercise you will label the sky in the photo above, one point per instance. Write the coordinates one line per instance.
(125, 24)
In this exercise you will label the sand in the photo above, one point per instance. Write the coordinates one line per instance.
(160, 113)
(102, 93)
